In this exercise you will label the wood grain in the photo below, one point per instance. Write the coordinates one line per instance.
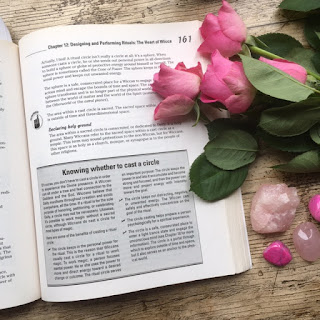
(264, 292)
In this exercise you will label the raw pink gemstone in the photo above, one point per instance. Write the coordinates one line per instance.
(273, 208)
(277, 253)
(314, 206)
(306, 238)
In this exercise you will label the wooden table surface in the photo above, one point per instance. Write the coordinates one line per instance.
(264, 292)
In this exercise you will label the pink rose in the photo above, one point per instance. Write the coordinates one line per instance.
(225, 32)
(225, 81)
(293, 69)
(179, 87)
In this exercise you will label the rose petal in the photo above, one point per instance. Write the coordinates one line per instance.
(173, 81)
(206, 99)
(156, 77)
(218, 41)
(213, 86)
(173, 106)
(231, 24)
(220, 64)
(197, 70)
(293, 69)
(238, 104)
(181, 66)
(236, 78)
(226, 82)
(243, 91)
(209, 25)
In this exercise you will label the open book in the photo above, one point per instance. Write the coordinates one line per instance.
(94, 194)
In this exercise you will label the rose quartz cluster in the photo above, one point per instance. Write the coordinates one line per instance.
(277, 253)
(273, 208)
(306, 239)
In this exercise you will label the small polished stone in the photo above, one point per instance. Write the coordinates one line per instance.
(273, 208)
(306, 239)
(314, 206)
(277, 253)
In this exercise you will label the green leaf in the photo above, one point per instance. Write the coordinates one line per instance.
(301, 143)
(274, 82)
(300, 5)
(255, 41)
(264, 101)
(304, 163)
(245, 50)
(311, 29)
(313, 82)
(279, 43)
(315, 133)
(231, 149)
(316, 61)
(211, 183)
(219, 125)
(291, 120)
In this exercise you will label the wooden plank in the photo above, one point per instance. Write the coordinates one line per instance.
(23, 17)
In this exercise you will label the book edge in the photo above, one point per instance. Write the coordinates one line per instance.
(238, 232)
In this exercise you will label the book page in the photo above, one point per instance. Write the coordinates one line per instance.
(19, 278)
(113, 209)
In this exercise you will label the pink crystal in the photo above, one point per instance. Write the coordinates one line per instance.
(306, 239)
(314, 206)
(273, 208)
(277, 253)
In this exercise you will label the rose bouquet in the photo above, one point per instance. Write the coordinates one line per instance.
(269, 84)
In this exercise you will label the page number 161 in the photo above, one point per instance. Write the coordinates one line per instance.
(184, 39)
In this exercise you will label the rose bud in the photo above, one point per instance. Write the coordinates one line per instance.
(226, 82)
(293, 69)
(225, 32)
(179, 87)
